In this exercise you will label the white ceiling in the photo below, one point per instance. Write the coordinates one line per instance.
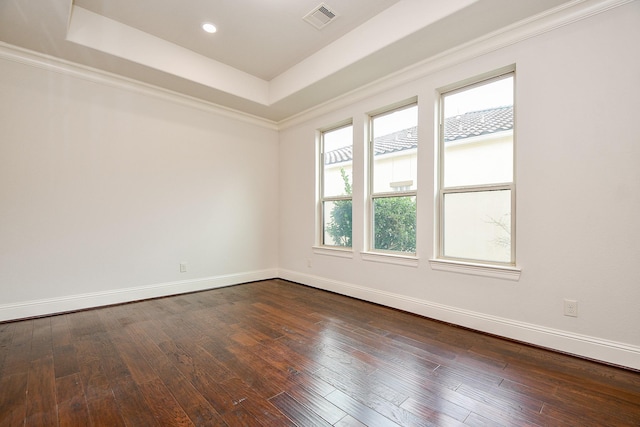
(260, 37)
(264, 60)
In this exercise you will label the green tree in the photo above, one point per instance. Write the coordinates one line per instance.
(340, 225)
(394, 222)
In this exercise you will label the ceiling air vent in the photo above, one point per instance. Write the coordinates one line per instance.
(320, 16)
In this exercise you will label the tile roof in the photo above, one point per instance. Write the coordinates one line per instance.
(338, 156)
(405, 139)
(468, 125)
(476, 123)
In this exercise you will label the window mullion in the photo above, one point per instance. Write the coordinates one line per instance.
(394, 194)
(336, 198)
(474, 188)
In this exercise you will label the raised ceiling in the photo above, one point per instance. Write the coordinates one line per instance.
(261, 38)
(265, 60)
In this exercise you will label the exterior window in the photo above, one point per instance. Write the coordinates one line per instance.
(393, 180)
(336, 146)
(476, 184)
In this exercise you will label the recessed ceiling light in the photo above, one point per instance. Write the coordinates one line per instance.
(209, 27)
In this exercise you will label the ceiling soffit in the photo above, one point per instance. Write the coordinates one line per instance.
(106, 35)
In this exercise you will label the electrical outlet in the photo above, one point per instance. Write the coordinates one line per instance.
(571, 308)
(183, 267)
(309, 264)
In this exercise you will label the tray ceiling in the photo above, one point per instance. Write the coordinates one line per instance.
(264, 59)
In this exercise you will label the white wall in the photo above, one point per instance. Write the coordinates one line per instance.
(104, 190)
(578, 197)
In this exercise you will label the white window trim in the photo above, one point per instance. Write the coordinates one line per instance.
(379, 255)
(399, 258)
(508, 271)
(336, 251)
(320, 247)
(477, 269)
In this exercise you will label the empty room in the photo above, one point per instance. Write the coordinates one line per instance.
(295, 212)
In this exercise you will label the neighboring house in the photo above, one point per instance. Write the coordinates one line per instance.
(488, 133)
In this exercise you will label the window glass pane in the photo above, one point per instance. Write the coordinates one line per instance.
(394, 223)
(337, 165)
(395, 144)
(478, 135)
(337, 224)
(477, 225)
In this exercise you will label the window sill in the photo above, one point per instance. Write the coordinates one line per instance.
(333, 251)
(406, 260)
(486, 270)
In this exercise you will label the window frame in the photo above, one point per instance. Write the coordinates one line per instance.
(322, 199)
(508, 270)
(381, 254)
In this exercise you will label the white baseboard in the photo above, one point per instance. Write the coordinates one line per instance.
(581, 345)
(43, 307)
(611, 352)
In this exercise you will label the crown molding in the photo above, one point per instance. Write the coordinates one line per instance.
(56, 65)
(534, 26)
(542, 23)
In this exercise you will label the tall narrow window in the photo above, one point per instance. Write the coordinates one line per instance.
(476, 172)
(393, 179)
(336, 149)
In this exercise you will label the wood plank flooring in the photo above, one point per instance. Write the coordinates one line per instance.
(274, 353)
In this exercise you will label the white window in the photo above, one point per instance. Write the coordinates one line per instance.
(476, 172)
(336, 157)
(393, 146)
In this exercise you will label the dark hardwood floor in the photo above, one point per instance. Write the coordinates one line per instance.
(275, 353)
